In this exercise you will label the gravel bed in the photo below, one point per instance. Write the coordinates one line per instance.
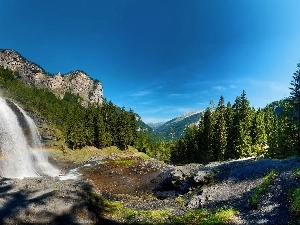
(54, 201)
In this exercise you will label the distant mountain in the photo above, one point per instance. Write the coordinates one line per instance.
(155, 125)
(175, 128)
(76, 82)
(146, 129)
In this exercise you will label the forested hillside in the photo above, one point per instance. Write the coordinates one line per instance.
(94, 125)
(238, 131)
(176, 127)
(227, 131)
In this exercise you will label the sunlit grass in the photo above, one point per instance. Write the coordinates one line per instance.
(123, 162)
(116, 210)
(82, 155)
(262, 188)
(180, 201)
(296, 173)
(295, 202)
(222, 215)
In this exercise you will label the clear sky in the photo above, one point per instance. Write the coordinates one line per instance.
(162, 58)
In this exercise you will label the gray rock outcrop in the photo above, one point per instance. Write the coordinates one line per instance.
(76, 82)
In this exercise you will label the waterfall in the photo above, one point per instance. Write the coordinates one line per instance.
(21, 156)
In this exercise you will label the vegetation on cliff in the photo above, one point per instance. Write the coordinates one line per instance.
(95, 125)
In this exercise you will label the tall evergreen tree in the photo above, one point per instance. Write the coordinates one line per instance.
(246, 115)
(207, 135)
(295, 100)
(258, 134)
(230, 153)
(283, 142)
(220, 132)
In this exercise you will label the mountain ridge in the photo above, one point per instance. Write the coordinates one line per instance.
(75, 82)
(175, 127)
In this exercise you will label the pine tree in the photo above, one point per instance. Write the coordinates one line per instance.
(295, 100)
(220, 132)
(230, 153)
(207, 135)
(122, 140)
(234, 148)
(99, 126)
(258, 134)
(283, 138)
(89, 123)
(246, 115)
(269, 119)
(132, 130)
(74, 133)
(241, 127)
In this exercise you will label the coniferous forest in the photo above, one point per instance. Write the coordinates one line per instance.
(225, 130)
(238, 130)
(79, 126)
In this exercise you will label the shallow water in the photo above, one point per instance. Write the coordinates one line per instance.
(75, 173)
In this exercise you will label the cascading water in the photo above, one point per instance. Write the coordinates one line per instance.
(18, 158)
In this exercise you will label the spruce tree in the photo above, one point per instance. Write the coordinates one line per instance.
(234, 148)
(229, 153)
(207, 135)
(258, 134)
(295, 100)
(246, 115)
(220, 132)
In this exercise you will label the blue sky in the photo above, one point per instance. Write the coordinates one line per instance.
(162, 58)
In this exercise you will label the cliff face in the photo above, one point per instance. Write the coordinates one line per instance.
(77, 82)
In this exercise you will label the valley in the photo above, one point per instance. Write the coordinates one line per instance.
(68, 159)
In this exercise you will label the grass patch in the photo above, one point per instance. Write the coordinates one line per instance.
(296, 173)
(181, 202)
(295, 202)
(117, 211)
(156, 216)
(74, 156)
(123, 162)
(262, 188)
(82, 155)
(223, 215)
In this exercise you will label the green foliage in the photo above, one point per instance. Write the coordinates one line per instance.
(262, 188)
(238, 131)
(258, 133)
(160, 149)
(296, 173)
(283, 136)
(98, 126)
(117, 210)
(123, 162)
(222, 215)
(295, 101)
(220, 132)
(182, 203)
(174, 128)
(295, 202)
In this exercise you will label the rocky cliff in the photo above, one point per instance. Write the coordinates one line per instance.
(76, 82)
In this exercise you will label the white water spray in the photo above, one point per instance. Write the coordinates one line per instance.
(18, 159)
